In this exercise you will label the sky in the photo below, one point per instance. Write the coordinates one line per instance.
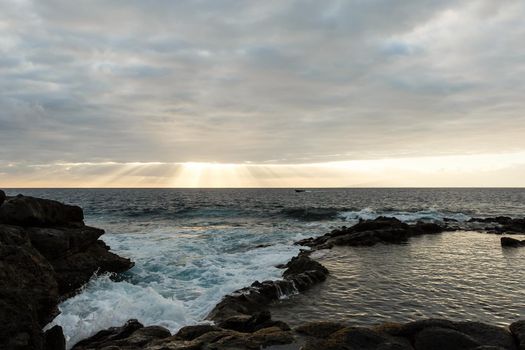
(282, 93)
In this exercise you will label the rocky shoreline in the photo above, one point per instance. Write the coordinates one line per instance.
(242, 320)
(47, 253)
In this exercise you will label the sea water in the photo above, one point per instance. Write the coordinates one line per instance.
(193, 246)
(455, 275)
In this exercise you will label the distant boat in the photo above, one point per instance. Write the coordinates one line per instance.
(299, 191)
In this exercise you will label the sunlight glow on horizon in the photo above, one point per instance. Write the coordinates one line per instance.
(483, 170)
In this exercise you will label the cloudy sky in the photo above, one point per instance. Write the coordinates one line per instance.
(262, 93)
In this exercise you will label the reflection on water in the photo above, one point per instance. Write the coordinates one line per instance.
(459, 275)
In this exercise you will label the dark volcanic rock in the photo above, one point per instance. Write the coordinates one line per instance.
(112, 336)
(370, 232)
(320, 329)
(54, 339)
(435, 338)
(76, 254)
(488, 335)
(518, 331)
(253, 323)
(2, 197)
(40, 263)
(57, 242)
(503, 220)
(504, 224)
(301, 273)
(301, 264)
(511, 242)
(30, 211)
(245, 334)
(28, 293)
(358, 338)
(410, 329)
(73, 271)
(193, 332)
(133, 336)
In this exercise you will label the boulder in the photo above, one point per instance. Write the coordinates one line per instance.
(193, 332)
(2, 197)
(518, 331)
(358, 338)
(134, 336)
(260, 339)
(320, 329)
(436, 338)
(253, 323)
(511, 242)
(30, 211)
(109, 336)
(488, 335)
(410, 329)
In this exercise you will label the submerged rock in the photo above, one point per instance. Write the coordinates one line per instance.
(46, 254)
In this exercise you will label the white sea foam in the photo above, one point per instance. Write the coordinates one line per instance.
(178, 278)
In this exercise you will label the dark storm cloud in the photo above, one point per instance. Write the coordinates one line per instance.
(235, 81)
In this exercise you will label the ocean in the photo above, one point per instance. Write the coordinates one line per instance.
(193, 246)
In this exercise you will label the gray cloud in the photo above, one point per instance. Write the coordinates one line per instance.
(235, 81)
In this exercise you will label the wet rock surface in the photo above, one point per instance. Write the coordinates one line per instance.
(30, 211)
(134, 335)
(46, 254)
(370, 232)
(501, 224)
(518, 331)
(511, 242)
(419, 335)
(301, 273)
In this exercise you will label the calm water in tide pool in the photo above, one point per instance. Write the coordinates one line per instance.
(191, 247)
(455, 275)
